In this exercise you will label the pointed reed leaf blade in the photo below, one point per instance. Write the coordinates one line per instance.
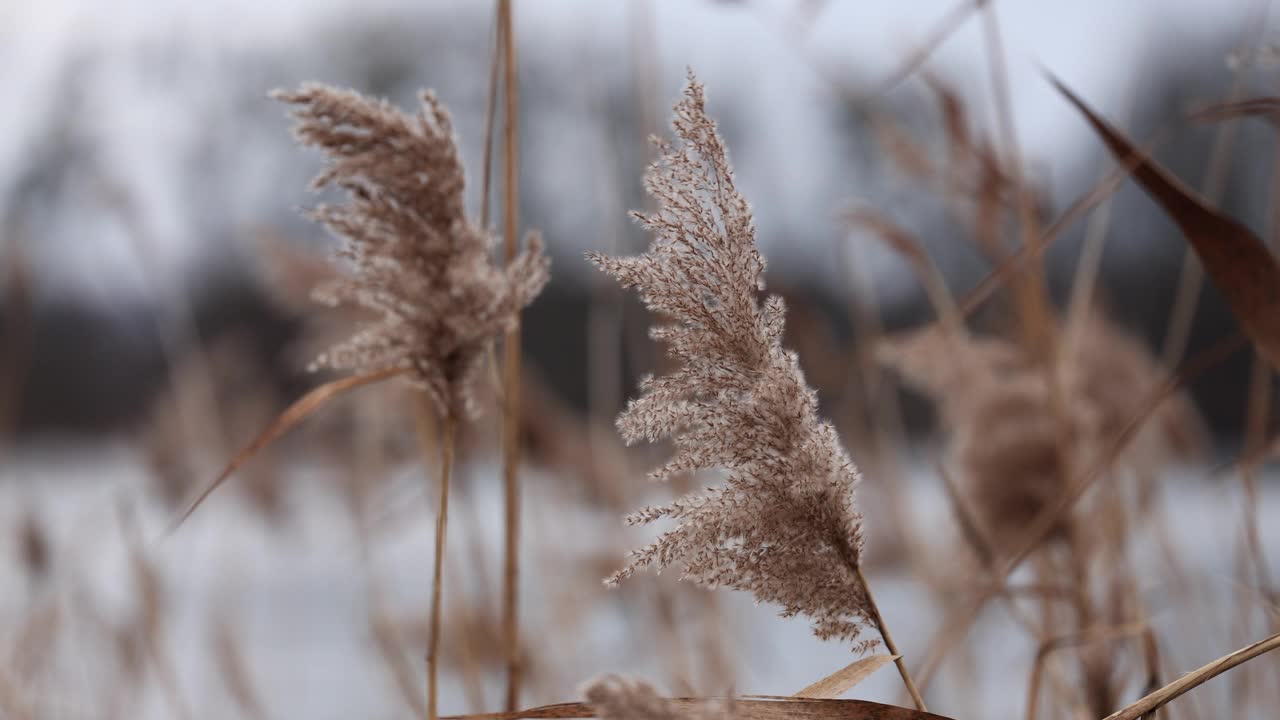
(844, 679)
(1241, 267)
(285, 421)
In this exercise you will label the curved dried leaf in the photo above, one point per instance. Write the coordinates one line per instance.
(294, 414)
(844, 679)
(744, 709)
(1241, 267)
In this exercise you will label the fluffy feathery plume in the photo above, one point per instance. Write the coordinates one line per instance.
(783, 525)
(421, 265)
(1004, 437)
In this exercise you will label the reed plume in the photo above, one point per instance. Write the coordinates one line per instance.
(783, 525)
(422, 267)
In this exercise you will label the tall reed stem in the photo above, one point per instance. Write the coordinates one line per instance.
(889, 645)
(447, 432)
(511, 365)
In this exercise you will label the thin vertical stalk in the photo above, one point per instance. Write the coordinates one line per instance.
(646, 97)
(1088, 268)
(887, 428)
(938, 34)
(1030, 289)
(1191, 680)
(511, 365)
(447, 432)
(606, 327)
(490, 118)
(888, 642)
(486, 183)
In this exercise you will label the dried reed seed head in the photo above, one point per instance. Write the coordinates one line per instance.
(783, 525)
(1114, 371)
(420, 264)
(1008, 448)
(1005, 438)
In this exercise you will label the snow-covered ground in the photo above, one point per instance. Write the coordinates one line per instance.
(297, 596)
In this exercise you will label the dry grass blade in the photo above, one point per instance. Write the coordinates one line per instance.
(1193, 680)
(744, 709)
(1191, 275)
(844, 679)
(486, 181)
(909, 156)
(490, 117)
(285, 421)
(1245, 272)
(1267, 107)
(954, 122)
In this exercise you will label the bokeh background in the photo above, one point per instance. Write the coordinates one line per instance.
(155, 265)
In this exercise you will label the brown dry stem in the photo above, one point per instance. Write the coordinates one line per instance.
(511, 364)
(890, 645)
(447, 432)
